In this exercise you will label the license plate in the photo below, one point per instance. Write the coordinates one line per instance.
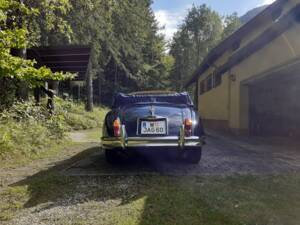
(153, 127)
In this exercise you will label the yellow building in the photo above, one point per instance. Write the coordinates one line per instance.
(250, 83)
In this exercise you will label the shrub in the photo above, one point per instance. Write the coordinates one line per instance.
(75, 116)
(23, 138)
(27, 129)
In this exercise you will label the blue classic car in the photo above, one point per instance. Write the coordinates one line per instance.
(153, 120)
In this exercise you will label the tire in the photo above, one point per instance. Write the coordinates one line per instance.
(192, 156)
(113, 156)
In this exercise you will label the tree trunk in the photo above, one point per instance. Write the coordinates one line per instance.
(99, 89)
(37, 95)
(89, 86)
(78, 93)
(54, 85)
(116, 79)
(22, 91)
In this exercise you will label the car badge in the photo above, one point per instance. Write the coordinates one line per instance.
(152, 110)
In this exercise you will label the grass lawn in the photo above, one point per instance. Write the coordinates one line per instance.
(50, 198)
(154, 200)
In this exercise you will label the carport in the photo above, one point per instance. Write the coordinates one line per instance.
(72, 58)
(274, 106)
(69, 58)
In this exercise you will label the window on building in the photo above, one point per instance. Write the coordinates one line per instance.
(209, 83)
(202, 87)
(212, 81)
(217, 80)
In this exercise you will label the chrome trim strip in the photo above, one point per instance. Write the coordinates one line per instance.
(138, 121)
(181, 137)
(174, 141)
(123, 136)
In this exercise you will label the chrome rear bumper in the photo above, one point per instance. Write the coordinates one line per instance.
(135, 142)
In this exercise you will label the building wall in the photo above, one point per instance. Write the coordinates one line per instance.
(228, 104)
(213, 106)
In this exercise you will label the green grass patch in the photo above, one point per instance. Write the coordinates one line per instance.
(12, 200)
(75, 117)
(28, 131)
(163, 200)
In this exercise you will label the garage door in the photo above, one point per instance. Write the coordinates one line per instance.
(275, 106)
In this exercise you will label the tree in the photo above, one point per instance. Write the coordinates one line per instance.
(127, 51)
(16, 35)
(232, 23)
(204, 28)
(47, 25)
(13, 36)
(200, 31)
(182, 51)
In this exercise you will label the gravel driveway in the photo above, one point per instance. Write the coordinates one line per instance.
(101, 192)
(221, 156)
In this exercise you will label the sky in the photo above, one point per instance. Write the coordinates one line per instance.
(170, 13)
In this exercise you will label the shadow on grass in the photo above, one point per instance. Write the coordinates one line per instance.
(49, 185)
(144, 200)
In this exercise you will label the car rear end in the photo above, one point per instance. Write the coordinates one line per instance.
(161, 122)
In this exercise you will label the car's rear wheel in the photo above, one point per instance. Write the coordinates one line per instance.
(192, 156)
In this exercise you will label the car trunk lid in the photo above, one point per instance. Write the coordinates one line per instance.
(146, 116)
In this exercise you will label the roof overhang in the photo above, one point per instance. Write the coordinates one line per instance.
(72, 58)
(236, 37)
(292, 18)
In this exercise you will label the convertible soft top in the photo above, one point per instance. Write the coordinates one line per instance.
(140, 97)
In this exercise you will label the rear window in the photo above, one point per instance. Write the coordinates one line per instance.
(179, 98)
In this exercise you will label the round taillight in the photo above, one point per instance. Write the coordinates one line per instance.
(117, 128)
(188, 125)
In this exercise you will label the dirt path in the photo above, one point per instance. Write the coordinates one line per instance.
(87, 136)
(81, 145)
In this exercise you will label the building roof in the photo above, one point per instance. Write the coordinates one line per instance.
(71, 58)
(236, 37)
